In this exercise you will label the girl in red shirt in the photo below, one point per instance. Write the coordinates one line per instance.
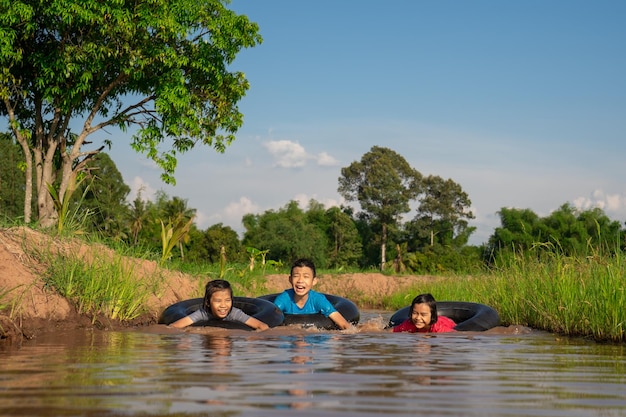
(423, 317)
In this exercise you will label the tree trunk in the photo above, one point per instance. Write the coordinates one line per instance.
(45, 206)
(383, 247)
(28, 192)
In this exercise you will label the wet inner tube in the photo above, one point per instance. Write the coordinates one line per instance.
(469, 317)
(346, 307)
(259, 309)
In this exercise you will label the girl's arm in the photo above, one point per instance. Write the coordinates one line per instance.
(181, 323)
(256, 324)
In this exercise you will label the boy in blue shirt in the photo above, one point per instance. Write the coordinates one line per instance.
(301, 299)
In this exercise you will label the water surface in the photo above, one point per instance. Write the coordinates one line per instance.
(220, 372)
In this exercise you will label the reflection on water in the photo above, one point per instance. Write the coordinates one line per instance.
(238, 373)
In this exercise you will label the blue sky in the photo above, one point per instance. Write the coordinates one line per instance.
(521, 103)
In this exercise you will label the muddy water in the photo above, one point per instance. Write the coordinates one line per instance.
(279, 372)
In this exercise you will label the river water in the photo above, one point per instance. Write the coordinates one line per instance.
(284, 371)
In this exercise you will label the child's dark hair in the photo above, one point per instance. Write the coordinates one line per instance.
(428, 300)
(212, 287)
(303, 262)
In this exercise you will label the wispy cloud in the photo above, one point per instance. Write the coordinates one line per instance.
(325, 159)
(610, 203)
(289, 154)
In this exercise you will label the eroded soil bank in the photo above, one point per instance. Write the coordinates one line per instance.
(38, 309)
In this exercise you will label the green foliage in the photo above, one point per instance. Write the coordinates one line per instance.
(571, 232)
(172, 234)
(216, 244)
(100, 287)
(286, 235)
(383, 183)
(442, 215)
(344, 249)
(542, 289)
(12, 179)
(62, 60)
(71, 221)
(104, 196)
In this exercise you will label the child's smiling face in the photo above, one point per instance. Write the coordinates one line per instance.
(302, 280)
(421, 316)
(221, 303)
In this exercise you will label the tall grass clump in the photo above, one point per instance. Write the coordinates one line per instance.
(573, 295)
(544, 289)
(103, 286)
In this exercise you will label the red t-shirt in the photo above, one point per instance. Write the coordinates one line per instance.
(443, 325)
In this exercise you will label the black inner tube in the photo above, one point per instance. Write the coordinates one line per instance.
(467, 316)
(347, 308)
(259, 309)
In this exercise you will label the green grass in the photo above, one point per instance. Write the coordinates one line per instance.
(542, 289)
(566, 295)
(104, 286)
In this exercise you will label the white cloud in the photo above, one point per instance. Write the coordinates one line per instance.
(611, 204)
(286, 153)
(325, 159)
(139, 185)
(303, 201)
(230, 215)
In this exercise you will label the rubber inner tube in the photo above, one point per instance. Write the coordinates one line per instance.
(347, 308)
(262, 310)
(473, 317)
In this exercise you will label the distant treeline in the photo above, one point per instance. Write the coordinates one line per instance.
(434, 240)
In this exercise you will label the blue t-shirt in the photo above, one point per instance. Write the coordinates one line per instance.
(235, 314)
(317, 303)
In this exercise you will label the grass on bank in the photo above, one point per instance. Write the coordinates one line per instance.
(542, 289)
(575, 296)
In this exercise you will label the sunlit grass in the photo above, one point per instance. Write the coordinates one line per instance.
(541, 288)
(566, 295)
(103, 286)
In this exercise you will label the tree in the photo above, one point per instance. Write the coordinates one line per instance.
(162, 66)
(518, 230)
(286, 235)
(383, 183)
(443, 211)
(11, 179)
(104, 194)
(217, 241)
(343, 237)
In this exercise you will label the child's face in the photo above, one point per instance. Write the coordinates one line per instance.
(420, 316)
(221, 303)
(302, 280)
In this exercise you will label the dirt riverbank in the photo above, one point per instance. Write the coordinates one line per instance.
(36, 308)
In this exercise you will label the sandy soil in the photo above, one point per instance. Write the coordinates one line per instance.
(34, 308)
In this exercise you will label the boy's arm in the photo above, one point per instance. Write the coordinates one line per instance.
(256, 324)
(339, 320)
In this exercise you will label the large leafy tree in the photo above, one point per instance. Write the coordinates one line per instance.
(160, 66)
(383, 183)
(443, 212)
